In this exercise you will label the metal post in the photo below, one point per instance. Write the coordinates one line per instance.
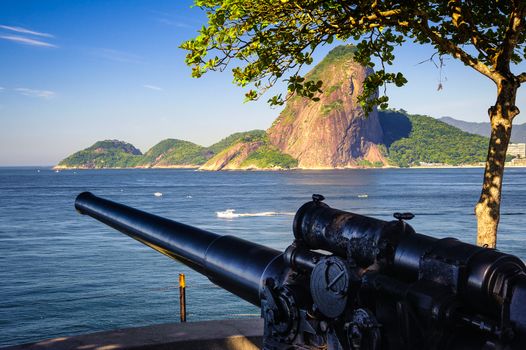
(182, 297)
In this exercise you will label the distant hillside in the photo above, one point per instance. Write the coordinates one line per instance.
(331, 133)
(171, 152)
(518, 132)
(104, 154)
(165, 154)
(415, 139)
(234, 138)
(407, 140)
(251, 151)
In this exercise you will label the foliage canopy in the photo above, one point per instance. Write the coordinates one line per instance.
(266, 39)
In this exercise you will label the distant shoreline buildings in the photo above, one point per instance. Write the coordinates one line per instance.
(517, 150)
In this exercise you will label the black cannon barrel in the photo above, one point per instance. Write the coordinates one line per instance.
(234, 264)
(367, 240)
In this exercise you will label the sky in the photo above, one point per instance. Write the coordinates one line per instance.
(75, 72)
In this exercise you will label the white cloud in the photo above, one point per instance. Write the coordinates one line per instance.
(36, 93)
(153, 87)
(115, 55)
(169, 22)
(27, 41)
(170, 19)
(25, 31)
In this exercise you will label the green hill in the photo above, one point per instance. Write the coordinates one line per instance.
(167, 153)
(104, 154)
(268, 156)
(234, 138)
(416, 139)
(252, 150)
(174, 152)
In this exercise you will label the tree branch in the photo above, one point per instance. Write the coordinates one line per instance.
(479, 41)
(503, 57)
(378, 20)
(522, 77)
(447, 46)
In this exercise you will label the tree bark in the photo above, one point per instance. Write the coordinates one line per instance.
(501, 116)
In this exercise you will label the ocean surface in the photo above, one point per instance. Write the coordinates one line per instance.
(64, 274)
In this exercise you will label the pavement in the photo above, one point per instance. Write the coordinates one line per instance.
(243, 334)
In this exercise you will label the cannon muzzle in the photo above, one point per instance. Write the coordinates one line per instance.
(232, 263)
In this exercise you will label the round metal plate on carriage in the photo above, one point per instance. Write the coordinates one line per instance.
(329, 285)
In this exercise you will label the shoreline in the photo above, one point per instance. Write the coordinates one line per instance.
(198, 168)
(61, 167)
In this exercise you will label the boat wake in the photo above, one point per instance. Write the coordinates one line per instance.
(230, 214)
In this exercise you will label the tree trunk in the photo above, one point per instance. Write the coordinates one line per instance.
(488, 206)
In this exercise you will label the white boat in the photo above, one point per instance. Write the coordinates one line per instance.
(363, 195)
(158, 194)
(229, 213)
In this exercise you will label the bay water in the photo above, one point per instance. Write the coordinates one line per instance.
(63, 274)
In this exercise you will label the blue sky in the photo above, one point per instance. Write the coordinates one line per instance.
(74, 72)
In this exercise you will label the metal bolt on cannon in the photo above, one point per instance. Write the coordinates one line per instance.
(349, 281)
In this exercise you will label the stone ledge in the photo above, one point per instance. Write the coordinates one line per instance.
(244, 334)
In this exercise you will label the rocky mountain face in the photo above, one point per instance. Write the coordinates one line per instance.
(233, 157)
(250, 151)
(333, 132)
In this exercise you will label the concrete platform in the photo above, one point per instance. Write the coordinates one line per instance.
(245, 334)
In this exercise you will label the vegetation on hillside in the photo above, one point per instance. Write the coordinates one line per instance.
(263, 154)
(175, 152)
(105, 154)
(416, 139)
(328, 108)
(169, 152)
(228, 141)
(269, 156)
(410, 140)
(337, 56)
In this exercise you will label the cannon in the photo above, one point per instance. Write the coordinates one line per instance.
(349, 281)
